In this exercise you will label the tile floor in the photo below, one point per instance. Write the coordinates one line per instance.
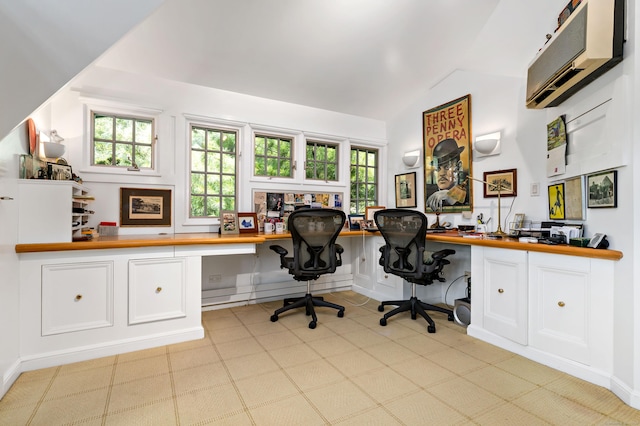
(351, 371)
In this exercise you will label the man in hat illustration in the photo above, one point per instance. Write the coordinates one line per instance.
(449, 173)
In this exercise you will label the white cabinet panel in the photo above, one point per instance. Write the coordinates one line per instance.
(504, 290)
(76, 297)
(560, 300)
(157, 289)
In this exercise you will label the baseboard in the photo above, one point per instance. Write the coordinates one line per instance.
(9, 377)
(625, 393)
(77, 354)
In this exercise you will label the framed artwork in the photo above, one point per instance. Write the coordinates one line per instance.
(229, 222)
(355, 221)
(503, 181)
(57, 171)
(574, 198)
(447, 139)
(248, 223)
(518, 220)
(369, 211)
(603, 189)
(145, 207)
(406, 190)
(556, 201)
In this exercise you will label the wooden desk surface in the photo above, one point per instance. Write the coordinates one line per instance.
(204, 238)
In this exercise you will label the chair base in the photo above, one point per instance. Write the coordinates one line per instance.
(416, 307)
(309, 302)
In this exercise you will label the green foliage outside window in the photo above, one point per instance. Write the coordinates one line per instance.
(213, 171)
(363, 179)
(273, 156)
(120, 141)
(321, 161)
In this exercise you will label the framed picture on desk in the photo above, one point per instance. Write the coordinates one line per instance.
(247, 223)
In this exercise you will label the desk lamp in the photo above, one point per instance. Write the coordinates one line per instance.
(459, 192)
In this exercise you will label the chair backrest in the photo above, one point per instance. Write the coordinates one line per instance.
(404, 232)
(314, 233)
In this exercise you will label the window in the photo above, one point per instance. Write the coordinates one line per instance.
(122, 141)
(213, 171)
(273, 156)
(364, 179)
(321, 161)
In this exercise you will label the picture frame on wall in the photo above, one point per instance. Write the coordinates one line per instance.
(574, 198)
(602, 189)
(229, 222)
(369, 211)
(406, 190)
(247, 222)
(504, 180)
(145, 207)
(556, 201)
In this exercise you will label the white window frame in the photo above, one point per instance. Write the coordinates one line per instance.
(296, 138)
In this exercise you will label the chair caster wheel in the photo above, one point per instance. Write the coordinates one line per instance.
(383, 321)
(413, 317)
(312, 325)
(450, 317)
(274, 318)
(431, 329)
(308, 313)
(381, 308)
(340, 314)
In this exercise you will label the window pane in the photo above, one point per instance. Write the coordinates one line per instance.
(197, 183)
(272, 147)
(362, 158)
(228, 203)
(320, 173)
(309, 171)
(310, 155)
(213, 206)
(213, 184)
(260, 144)
(213, 162)
(229, 142)
(371, 159)
(285, 148)
(260, 167)
(143, 156)
(331, 172)
(197, 161)
(371, 175)
(197, 206)
(124, 130)
(272, 167)
(143, 131)
(103, 127)
(123, 154)
(197, 138)
(285, 169)
(228, 163)
(228, 184)
(321, 153)
(332, 154)
(103, 153)
(214, 141)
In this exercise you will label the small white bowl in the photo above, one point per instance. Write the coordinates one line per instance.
(53, 150)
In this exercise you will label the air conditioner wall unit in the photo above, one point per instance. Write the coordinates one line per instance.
(588, 44)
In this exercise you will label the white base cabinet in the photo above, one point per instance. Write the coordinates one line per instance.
(554, 309)
(81, 305)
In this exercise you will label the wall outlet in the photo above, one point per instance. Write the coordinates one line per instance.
(215, 278)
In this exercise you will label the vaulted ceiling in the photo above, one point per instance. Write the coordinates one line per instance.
(363, 57)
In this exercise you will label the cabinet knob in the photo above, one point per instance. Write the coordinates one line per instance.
(500, 290)
(78, 297)
(386, 276)
(561, 304)
(158, 289)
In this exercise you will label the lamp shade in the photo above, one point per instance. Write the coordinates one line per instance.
(487, 144)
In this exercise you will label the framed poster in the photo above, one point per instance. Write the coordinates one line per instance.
(369, 211)
(574, 198)
(603, 189)
(406, 190)
(503, 181)
(145, 207)
(446, 133)
(556, 201)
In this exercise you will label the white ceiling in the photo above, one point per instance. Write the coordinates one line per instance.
(368, 58)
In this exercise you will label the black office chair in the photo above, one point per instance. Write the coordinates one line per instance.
(315, 252)
(404, 255)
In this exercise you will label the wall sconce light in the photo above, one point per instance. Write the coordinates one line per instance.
(411, 158)
(486, 145)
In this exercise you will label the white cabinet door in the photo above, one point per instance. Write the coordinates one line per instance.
(504, 293)
(157, 289)
(76, 297)
(560, 299)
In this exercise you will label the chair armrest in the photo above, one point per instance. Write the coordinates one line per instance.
(441, 254)
(339, 251)
(279, 249)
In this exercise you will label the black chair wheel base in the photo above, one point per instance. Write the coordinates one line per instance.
(312, 325)
(450, 317)
(340, 314)
(431, 328)
(274, 318)
(381, 308)
(383, 321)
